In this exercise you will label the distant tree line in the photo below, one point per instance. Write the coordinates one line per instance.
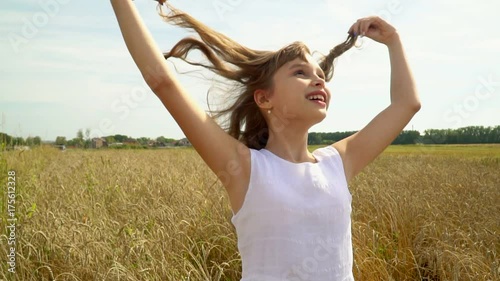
(6, 140)
(119, 141)
(405, 137)
(465, 135)
(83, 140)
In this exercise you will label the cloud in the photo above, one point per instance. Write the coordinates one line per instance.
(341, 12)
(78, 64)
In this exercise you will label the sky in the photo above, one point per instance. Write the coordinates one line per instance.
(65, 67)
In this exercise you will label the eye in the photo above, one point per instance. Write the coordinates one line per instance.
(299, 72)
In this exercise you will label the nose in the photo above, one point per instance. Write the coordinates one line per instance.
(318, 82)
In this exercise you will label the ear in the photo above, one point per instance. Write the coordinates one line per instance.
(261, 97)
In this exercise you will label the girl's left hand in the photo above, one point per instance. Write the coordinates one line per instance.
(375, 28)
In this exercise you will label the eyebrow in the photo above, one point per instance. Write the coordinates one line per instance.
(303, 64)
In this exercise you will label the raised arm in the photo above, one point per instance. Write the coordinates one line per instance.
(363, 147)
(225, 156)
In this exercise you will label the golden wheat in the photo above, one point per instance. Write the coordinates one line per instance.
(421, 214)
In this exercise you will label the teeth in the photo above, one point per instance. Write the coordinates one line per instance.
(316, 97)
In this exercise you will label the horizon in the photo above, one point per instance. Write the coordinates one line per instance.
(422, 133)
(66, 66)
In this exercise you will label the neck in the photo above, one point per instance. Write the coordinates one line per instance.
(290, 144)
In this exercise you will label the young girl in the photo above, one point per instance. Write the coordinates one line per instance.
(291, 208)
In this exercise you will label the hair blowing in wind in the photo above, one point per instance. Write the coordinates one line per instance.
(249, 69)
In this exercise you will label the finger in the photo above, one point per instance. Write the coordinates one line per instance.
(354, 29)
(365, 26)
(359, 26)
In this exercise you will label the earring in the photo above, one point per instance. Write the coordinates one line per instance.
(269, 111)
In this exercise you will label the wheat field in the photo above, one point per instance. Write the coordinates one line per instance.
(419, 213)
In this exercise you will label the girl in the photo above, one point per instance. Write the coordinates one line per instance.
(291, 208)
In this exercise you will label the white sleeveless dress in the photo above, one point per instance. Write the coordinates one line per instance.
(295, 222)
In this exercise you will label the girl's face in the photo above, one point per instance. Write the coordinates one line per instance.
(299, 92)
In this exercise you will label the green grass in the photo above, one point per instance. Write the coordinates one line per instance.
(474, 150)
(455, 150)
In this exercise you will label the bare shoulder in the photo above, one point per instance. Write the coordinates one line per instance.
(236, 177)
(340, 146)
(227, 157)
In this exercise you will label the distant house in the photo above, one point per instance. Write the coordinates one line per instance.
(131, 142)
(21, 147)
(99, 143)
(61, 147)
(115, 144)
(168, 144)
(153, 143)
(183, 142)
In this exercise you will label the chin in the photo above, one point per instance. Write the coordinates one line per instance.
(318, 117)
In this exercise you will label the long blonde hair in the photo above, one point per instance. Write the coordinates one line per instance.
(249, 69)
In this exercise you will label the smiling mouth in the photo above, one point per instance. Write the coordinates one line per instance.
(319, 102)
(318, 97)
